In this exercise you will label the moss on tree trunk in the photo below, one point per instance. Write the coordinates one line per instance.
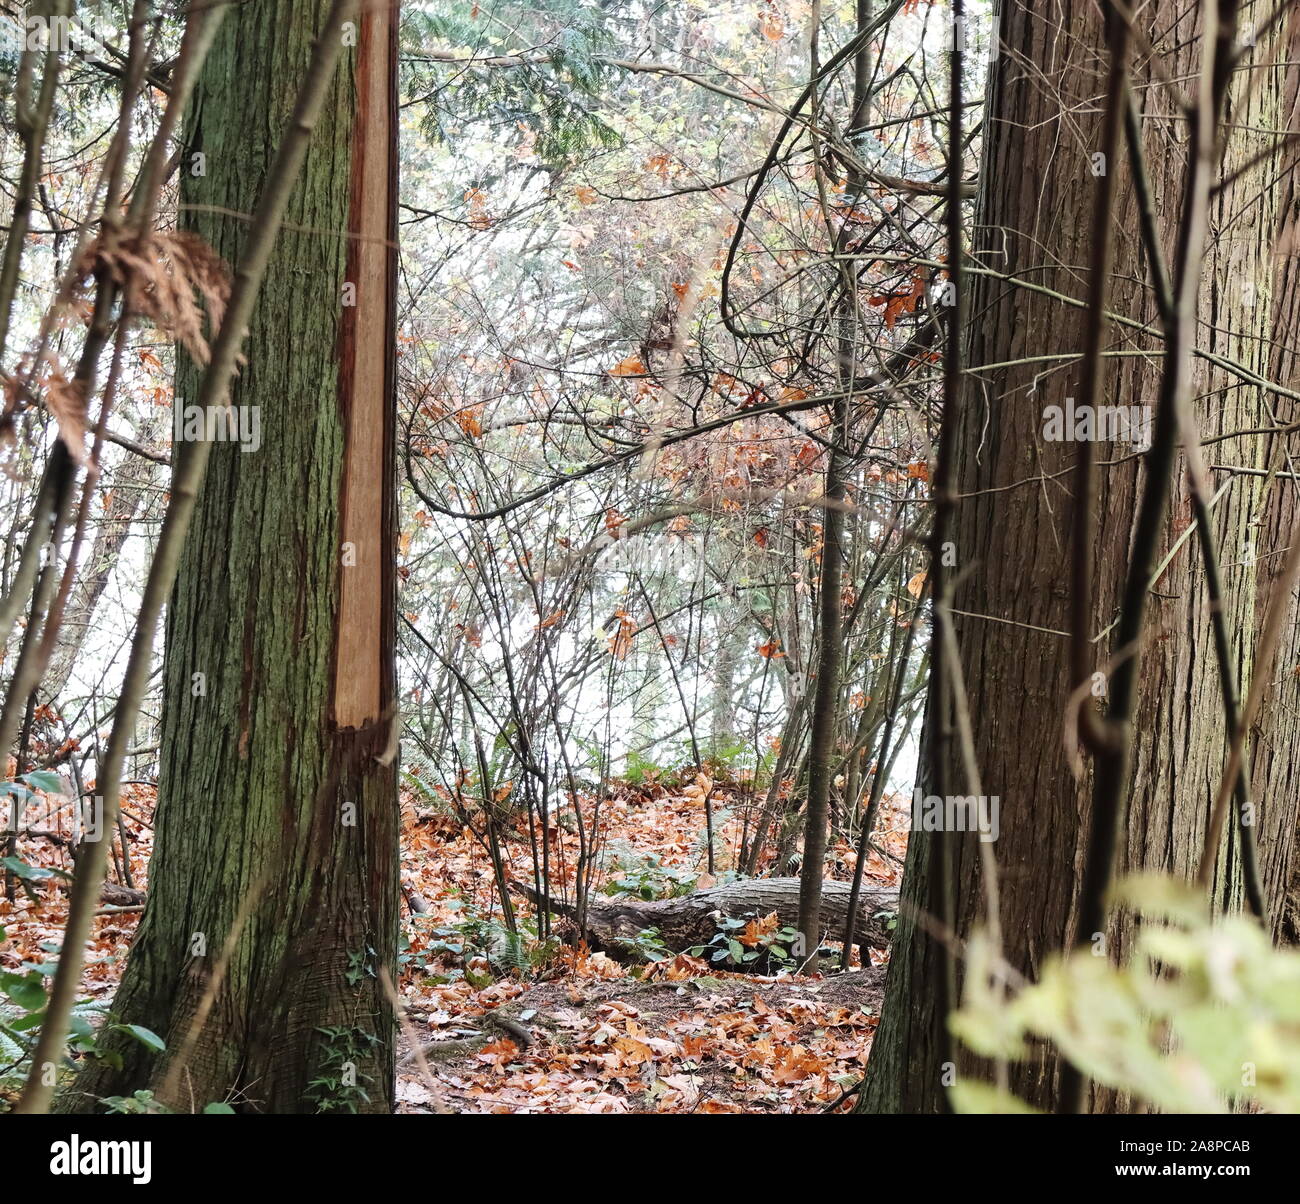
(277, 810)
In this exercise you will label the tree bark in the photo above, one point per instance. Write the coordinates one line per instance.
(824, 724)
(826, 693)
(273, 898)
(1277, 769)
(1013, 517)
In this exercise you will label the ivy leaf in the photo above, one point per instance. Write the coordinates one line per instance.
(44, 779)
(25, 990)
(20, 869)
(150, 1040)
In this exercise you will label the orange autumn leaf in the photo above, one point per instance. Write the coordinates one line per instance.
(699, 790)
(479, 218)
(685, 966)
(916, 584)
(753, 932)
(901, 303)
(894, 304)
(771, 25)
(620, 643)
(769, 650)
(66, 400)
(795, 1064)
(632, 366)
(635, 1053)
(586, 194)
(499, 1053)
(469, 421)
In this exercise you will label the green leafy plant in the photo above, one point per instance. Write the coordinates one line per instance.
(20, 1026)
(23, 786)
(750, 944)
(482, 936)
(1203, 1015)
(139, 1103)
(361, 965)
(640, 771)
(645, 876)
(647, 945)
(23, 789)
(509, 952)
(340, 1084)
(726, 757)
(22, 1012)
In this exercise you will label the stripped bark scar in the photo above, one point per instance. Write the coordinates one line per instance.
(365, 376)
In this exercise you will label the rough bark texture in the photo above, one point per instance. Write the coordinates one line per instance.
(1014, 512)
(1277, 768)
(691, 919)
(277, 802)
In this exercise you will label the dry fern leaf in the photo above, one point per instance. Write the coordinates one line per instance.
(66, 400)
(162, 274)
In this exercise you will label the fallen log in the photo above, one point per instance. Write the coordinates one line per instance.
(692, 919)
(121, 896)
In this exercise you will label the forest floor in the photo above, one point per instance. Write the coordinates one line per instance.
(497, 1025)
(700, 1043)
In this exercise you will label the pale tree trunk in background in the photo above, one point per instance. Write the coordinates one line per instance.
(135, 496)
(1013, 516)
(722, 723)
(277, 814)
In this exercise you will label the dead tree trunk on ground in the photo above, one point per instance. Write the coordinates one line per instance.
(692, 919)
